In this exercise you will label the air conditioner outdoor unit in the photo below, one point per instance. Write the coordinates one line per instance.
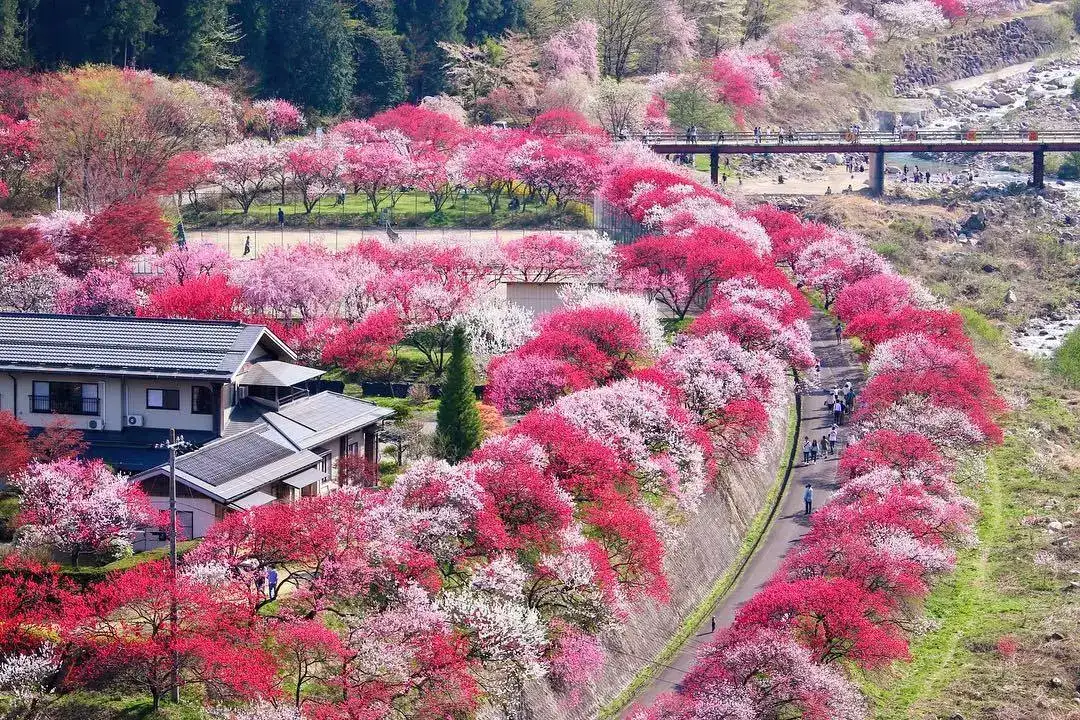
(134, 420)
(94, 424)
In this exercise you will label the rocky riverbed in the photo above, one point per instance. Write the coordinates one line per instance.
(1041, 336)
(1039, 96)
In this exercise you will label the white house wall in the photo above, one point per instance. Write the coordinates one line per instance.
(119, 398)
(182, 419)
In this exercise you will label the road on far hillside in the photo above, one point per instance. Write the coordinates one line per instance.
(234, 239)
(838, 365)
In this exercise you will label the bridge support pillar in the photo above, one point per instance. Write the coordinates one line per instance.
(714, 165)
(877, 174)
(1038, 171)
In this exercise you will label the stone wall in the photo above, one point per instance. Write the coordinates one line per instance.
(984, 49)
(706, 550)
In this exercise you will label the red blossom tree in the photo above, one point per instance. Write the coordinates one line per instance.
(124, 629)
(943, 326)
(885, 448)
(365, 346)
(202, 297)
(878, 293)
(14, 445)
(835, 617)
(681, 269)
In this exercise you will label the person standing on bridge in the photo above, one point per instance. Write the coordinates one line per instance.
(757, 134)
(808, 498)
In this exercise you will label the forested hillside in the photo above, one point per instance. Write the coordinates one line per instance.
(326, 54)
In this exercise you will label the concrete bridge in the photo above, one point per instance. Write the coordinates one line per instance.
(874, 144)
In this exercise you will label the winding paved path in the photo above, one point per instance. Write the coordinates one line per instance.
(838, 365)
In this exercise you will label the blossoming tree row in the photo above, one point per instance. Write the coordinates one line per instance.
(844, 595)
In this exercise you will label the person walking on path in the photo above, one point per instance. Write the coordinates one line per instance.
(271, 582)
(833, 434)
(806, 450)
(839, 330)
(814, 451)
(280, 218)
(849, 399)
(825, 446)
(247, 246)
(837, 412)
(808, 498)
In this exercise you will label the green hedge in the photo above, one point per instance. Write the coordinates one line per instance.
(86, 575)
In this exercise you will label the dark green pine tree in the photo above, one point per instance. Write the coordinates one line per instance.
(309, 54)
(458, 429)
(423, 24)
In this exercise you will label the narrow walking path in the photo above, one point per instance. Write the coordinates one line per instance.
(259, 239)
(838, 365)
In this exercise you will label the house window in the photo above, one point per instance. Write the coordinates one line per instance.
(157, 399)
(65, 398)
(353, 449)
(202, 400)
(186, 520)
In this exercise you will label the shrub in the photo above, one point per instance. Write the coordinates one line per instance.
(1067, 358)
(419, 394)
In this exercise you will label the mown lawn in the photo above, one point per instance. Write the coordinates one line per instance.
(413, 209)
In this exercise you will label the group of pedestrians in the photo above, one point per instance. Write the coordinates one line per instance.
(841, 402)
(823, 450)
(267, 582)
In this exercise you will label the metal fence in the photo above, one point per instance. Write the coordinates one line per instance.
(470, 210)
(616, 222)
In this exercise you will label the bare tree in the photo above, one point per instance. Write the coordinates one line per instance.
(622, 24)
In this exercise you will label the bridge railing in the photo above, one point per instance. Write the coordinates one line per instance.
(817, 137)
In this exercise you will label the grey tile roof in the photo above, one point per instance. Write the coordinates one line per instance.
(325, 416)
(128, 345)
(276, 447)
(276, 373)
(219, 462)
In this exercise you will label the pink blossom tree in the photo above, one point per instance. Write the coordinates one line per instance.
(31, 286)
(101, 291)
(379, 170)
(78, 507)
(275, 117)
(314, 169)
(572, 50)
(244, 169)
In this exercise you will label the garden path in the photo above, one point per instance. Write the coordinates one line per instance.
(838, 365)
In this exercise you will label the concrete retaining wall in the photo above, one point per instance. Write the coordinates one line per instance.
(708, 547)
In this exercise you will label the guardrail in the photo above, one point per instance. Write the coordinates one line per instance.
(814, 137)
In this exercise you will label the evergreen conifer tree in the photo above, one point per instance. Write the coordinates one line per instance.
(458, 428)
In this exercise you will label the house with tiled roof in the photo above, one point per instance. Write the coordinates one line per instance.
(233, 390)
